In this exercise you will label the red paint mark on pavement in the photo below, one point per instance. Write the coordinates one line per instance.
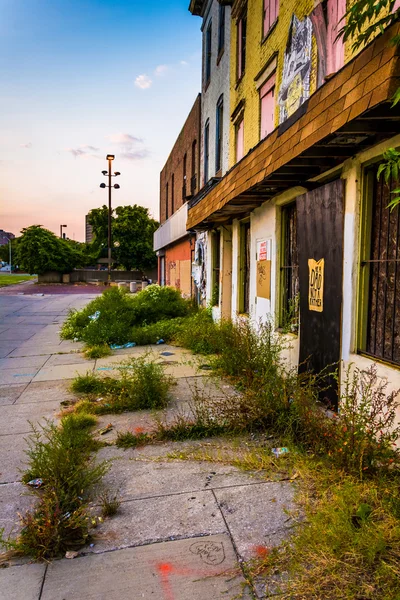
(261, 551)
(164, 570)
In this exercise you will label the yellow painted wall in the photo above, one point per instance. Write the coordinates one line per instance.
(259, 53)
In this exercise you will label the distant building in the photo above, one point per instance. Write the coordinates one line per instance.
(5, 236)
(88, 230)
(179, 181)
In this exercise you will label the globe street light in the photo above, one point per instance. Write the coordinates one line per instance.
(110, 158)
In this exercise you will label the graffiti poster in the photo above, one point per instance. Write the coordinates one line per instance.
(295, 86)
(316, 284)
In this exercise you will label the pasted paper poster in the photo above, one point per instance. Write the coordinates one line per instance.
(264, 279)
(316, 284)
(262, 253)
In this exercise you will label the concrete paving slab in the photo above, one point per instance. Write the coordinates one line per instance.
(6, 348)
(184, 370)
(67, 359)
(14, 499)
(18, 333)
(26, 361)
(143, 478)
(158, 519)
(16, 375)
(15, 417)
(46, 391)
(256, 515)
(22, 582)
(13, 457)
(10, 393)
(198, 568)
(35, 350)
(63, 371)
(71, 345)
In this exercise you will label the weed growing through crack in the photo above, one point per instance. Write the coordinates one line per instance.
(60, 458)
(127, 439)
(141, 384)
(110, 504)
(97, 351)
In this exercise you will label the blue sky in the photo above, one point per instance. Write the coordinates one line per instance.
(80, 79)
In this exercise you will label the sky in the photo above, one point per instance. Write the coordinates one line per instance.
(80, 79)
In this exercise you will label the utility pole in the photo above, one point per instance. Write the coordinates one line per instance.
(110, 158)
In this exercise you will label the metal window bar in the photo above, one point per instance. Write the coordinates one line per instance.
(383, 321)
(289, 268)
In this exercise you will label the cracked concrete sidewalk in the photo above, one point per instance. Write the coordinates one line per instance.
(183, 528)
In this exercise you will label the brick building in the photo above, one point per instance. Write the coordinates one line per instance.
(309, 229)
(179, 180)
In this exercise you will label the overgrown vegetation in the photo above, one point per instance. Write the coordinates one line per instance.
(110, 504)
(61, 468)
(141, 384)
(97, 351)
(347, 547)
(112, 317)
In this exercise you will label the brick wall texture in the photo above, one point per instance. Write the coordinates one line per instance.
(173, 171)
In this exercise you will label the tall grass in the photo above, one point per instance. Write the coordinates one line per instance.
(61, 458)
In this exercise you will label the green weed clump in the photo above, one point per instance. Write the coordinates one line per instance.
(60, 457)
(111, 317)
(127, 439)
(141, 384)
(97, 351)
(110, 504)
(348, 545)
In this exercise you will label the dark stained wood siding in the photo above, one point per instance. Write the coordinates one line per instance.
(320, 235)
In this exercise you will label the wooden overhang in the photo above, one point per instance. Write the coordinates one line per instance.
(349, 113)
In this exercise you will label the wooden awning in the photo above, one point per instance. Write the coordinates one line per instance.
(349, 113)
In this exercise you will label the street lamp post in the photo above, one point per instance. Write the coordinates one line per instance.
(110, 158)
(61, 228)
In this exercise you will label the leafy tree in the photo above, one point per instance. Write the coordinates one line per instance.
(98, 219)
(364, 20)
(39, 250)
(132, 230)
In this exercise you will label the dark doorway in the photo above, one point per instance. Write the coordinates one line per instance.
(320, 255)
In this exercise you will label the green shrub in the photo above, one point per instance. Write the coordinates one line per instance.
(117, 312)
(167, 330)
(98, 351)
(200, 334)
(141, 384)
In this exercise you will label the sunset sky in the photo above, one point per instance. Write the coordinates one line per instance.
(80, 79)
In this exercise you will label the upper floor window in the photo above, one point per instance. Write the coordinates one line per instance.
(166, 201)
(193, 182)
(241, 46)
(172, 194)
(239, 139)
(221, 29)
(270, 14)
(267, 107)
(206, 150)
(184, 177)
(207, 73)
(218, 134)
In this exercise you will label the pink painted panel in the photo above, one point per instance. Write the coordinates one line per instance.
(336, 9)
(240, 141)
(267, 113)
(271, 10)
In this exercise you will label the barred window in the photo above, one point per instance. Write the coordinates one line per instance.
(289, 309)
(380, 272)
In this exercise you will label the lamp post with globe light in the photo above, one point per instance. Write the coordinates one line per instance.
(110, 158)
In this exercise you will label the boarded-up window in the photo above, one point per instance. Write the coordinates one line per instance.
(289, 312)
(381, 275)
(240, 140)
(244, 297)
(267, 107)
(271, 9)
(216, 260)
